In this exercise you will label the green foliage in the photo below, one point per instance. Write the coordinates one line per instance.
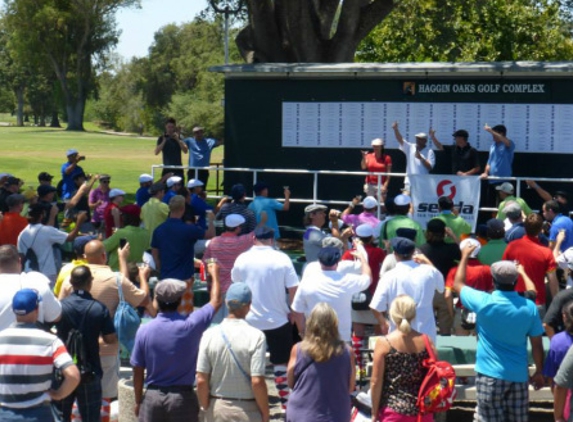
(469, 30)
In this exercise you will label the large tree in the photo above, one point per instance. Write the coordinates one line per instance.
(321, 31)
(71, 35)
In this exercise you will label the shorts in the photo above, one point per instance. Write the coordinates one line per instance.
(500, 400)
(110, 377)
(388, 415)
(279, 343)
(364, 317)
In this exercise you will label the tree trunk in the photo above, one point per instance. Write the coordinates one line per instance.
(42, 120)
(55, 119)
(75, 109)
(20, 107)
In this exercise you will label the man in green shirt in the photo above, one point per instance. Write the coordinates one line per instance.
(506, 194)
(136, 236)
(155, 211)
(495, 247)
(456, 223)
(402, 205)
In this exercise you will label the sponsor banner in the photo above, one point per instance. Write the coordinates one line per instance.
(463, 190)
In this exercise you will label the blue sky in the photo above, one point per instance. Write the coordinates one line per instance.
(139, 25)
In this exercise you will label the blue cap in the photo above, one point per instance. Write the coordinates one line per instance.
(238, 191)
(402, 246)
(264, 232)
(25, 301)
(238, 295)
(329, 256)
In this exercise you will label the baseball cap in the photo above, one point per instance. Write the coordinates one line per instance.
(461, 132)
(402, 200)
(25, 301)
(421, 135)
(145, 178)
(329, 256)
(156, 187)
(402, 245)
(369, 203)
(377, 142)
(471, 241)
(494, 226)
(505, 187)
(172, 180)
(238, 191)
(71, 151)
(193, 183)
(169, 290)
(315, 207)
(45, 176)
(11, 180)
(198, 129)
(45, 189)
(331, 241)
(364, 230)
(234, 220)
(15, 199)
(504, 272)
(104, 177)
(115, 192)
(264, 232)
(259, 187)
(131, 209)
(238, 295)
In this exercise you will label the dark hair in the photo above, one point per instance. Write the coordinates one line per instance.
(533, 224)
(35, 212)
(170, 120)
(445, 203)
(505, 287)
(390, 206)
(432, 237)
(494, 233)
(168, 307)
(567, 309)
(131, 220)
(401, 209)
(552, 205)
(133, 271)
(80, 277)
(500, 129)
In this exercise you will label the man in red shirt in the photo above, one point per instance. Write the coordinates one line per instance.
(478, 276)
(537, 260)
(13, 223)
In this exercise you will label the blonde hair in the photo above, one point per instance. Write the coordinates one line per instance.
(402, 312)
(321, 339)
(177, 203)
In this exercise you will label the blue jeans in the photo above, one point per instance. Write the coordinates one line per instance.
(89, 398)
(41, 413)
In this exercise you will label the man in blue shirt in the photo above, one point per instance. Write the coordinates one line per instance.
(262, 202)
(69, 170)
(142, 195)
(199, 205)
(505, 321)
(559, 222)
(500, 159)
(200, 153)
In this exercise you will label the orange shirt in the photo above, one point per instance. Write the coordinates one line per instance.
(376, 165)
(10, 227)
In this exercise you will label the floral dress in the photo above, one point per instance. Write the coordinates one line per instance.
(403, 375)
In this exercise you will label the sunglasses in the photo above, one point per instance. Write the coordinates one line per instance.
(105, 181)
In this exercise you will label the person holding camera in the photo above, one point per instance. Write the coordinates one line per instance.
(69, 170)
(171, 145)
(91, 318)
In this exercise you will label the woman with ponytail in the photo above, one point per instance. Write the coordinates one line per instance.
(397, 371)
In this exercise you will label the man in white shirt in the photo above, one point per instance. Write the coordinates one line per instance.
(12, 279)
(420, 158)
(419, 281)
(269, 273)
(333, 287)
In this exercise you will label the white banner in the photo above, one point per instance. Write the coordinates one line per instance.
(463, 190)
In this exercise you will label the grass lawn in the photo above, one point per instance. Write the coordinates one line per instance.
(27, 151)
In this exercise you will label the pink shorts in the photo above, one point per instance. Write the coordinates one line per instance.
(388, 415)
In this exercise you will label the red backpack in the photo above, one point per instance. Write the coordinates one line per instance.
(438, 389)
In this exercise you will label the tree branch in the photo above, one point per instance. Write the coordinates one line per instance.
(371, 15)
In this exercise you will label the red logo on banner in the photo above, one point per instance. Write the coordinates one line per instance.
(446, 188)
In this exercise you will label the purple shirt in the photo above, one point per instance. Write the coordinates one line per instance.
(355, 220)
(96, 195)
(560, 343)
(168, 346)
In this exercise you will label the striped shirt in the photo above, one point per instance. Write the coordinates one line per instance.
(27, 359)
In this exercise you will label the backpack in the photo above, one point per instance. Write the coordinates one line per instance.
(126, 320)
(77, 348)
(30, 260)
(438, 389)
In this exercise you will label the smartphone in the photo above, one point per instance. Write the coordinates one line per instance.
(122, 242)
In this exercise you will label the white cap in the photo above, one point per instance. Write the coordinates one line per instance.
(71, 151)
(193, 183)
(144, 178)
(471, 241)
(369, 202)
(315, 207)
(234, 220)
(377, 142)
(402, 200)
(421, 135)
(364, 230)
(172, 180)
(505, 187)
(115, 192)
